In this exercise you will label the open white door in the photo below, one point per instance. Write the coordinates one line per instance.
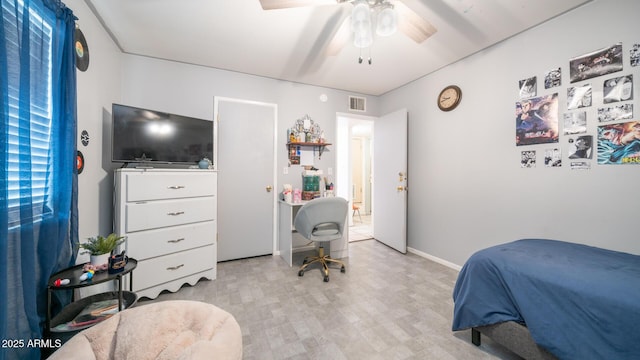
(390, 180)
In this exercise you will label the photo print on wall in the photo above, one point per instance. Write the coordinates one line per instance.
(528, 87)
(597, 63)
(619, 143)
(615, 113)
(580, 165)
(537, 120)
(579, 96)
(575, 123)
(553, 78)
(618, 89)
(552, 157)
(528, 159)
(635, 55)
(581, 147)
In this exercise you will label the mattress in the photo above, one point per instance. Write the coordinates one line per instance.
(577, 301)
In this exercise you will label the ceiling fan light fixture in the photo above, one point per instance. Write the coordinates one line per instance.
(363, 38)
(387, 21)
(361, 24)
(360, 15)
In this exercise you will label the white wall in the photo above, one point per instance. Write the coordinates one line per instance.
(189, 90)
(466, 188)
(97, 88)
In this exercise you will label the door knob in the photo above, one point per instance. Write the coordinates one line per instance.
(400, 188)
(269, 188)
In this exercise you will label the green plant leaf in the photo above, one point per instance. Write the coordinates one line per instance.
(102, 245)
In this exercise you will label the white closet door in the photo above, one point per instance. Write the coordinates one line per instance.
(246, 178)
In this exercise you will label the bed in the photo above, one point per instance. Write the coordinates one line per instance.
(573, 301)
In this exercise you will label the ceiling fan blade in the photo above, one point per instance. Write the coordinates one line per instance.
(340, 38)
(412, 25)
(284, 4)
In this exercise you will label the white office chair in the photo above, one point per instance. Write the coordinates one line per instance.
(322, 220)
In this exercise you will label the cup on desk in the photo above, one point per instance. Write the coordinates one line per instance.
(117, 263)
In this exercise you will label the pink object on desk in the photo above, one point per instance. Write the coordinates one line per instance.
(297, 195)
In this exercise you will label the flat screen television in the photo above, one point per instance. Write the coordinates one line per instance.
(149, 136)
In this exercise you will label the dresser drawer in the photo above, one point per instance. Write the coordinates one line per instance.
(164, 213)
(155, 186)
(167, 268)
(147, 244)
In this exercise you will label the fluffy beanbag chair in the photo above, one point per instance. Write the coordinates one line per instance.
(164, 330)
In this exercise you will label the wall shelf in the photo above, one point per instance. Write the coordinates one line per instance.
(319, 146)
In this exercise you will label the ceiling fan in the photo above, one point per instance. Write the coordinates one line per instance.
(387, 16)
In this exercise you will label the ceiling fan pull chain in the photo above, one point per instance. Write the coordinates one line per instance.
(360, 57)
(369, 56)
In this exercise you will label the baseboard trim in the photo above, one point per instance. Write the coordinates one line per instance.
(435, 259)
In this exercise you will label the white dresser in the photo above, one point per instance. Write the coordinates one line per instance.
(169, 219)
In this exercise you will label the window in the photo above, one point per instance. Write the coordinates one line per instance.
(29, 130)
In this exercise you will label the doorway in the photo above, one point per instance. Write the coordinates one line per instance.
(355, 139)
(389, 173)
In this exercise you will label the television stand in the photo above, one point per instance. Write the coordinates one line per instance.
(169, 217)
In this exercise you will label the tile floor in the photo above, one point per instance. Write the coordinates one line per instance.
(386, 306)
(361, 228)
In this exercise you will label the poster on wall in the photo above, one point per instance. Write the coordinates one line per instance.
(580, 165)
(553, 78)
(618, 89)
(615, 113)
(597, 63)
(579, 96)
(528, 87)
(552, 157)
(537, 120)
(619, 143)
(528, 159)
(581, 147)
(575, 123)
(635, 55)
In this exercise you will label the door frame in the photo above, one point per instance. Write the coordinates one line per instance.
(344, 124)
(274, 209)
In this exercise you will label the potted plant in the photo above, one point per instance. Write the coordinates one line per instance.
(100, 247)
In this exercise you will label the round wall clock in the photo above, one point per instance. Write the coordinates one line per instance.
(449, 98)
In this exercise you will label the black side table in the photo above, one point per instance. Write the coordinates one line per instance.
(73, 274)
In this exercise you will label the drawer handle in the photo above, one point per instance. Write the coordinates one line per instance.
(175, 241)
(175, 267)
(175, 187)
(175, 213)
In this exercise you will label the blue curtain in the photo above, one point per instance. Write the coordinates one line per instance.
(38, 175)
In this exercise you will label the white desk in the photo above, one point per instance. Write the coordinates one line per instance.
(290, 243)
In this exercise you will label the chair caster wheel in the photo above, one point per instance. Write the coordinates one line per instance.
(343, 269)
(326, 278)
(301, 273)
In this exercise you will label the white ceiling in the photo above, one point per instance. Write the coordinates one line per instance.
(289, 44)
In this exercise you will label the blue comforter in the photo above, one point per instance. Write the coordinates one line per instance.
(578, 301)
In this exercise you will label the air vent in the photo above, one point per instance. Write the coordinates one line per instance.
(357, 103)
